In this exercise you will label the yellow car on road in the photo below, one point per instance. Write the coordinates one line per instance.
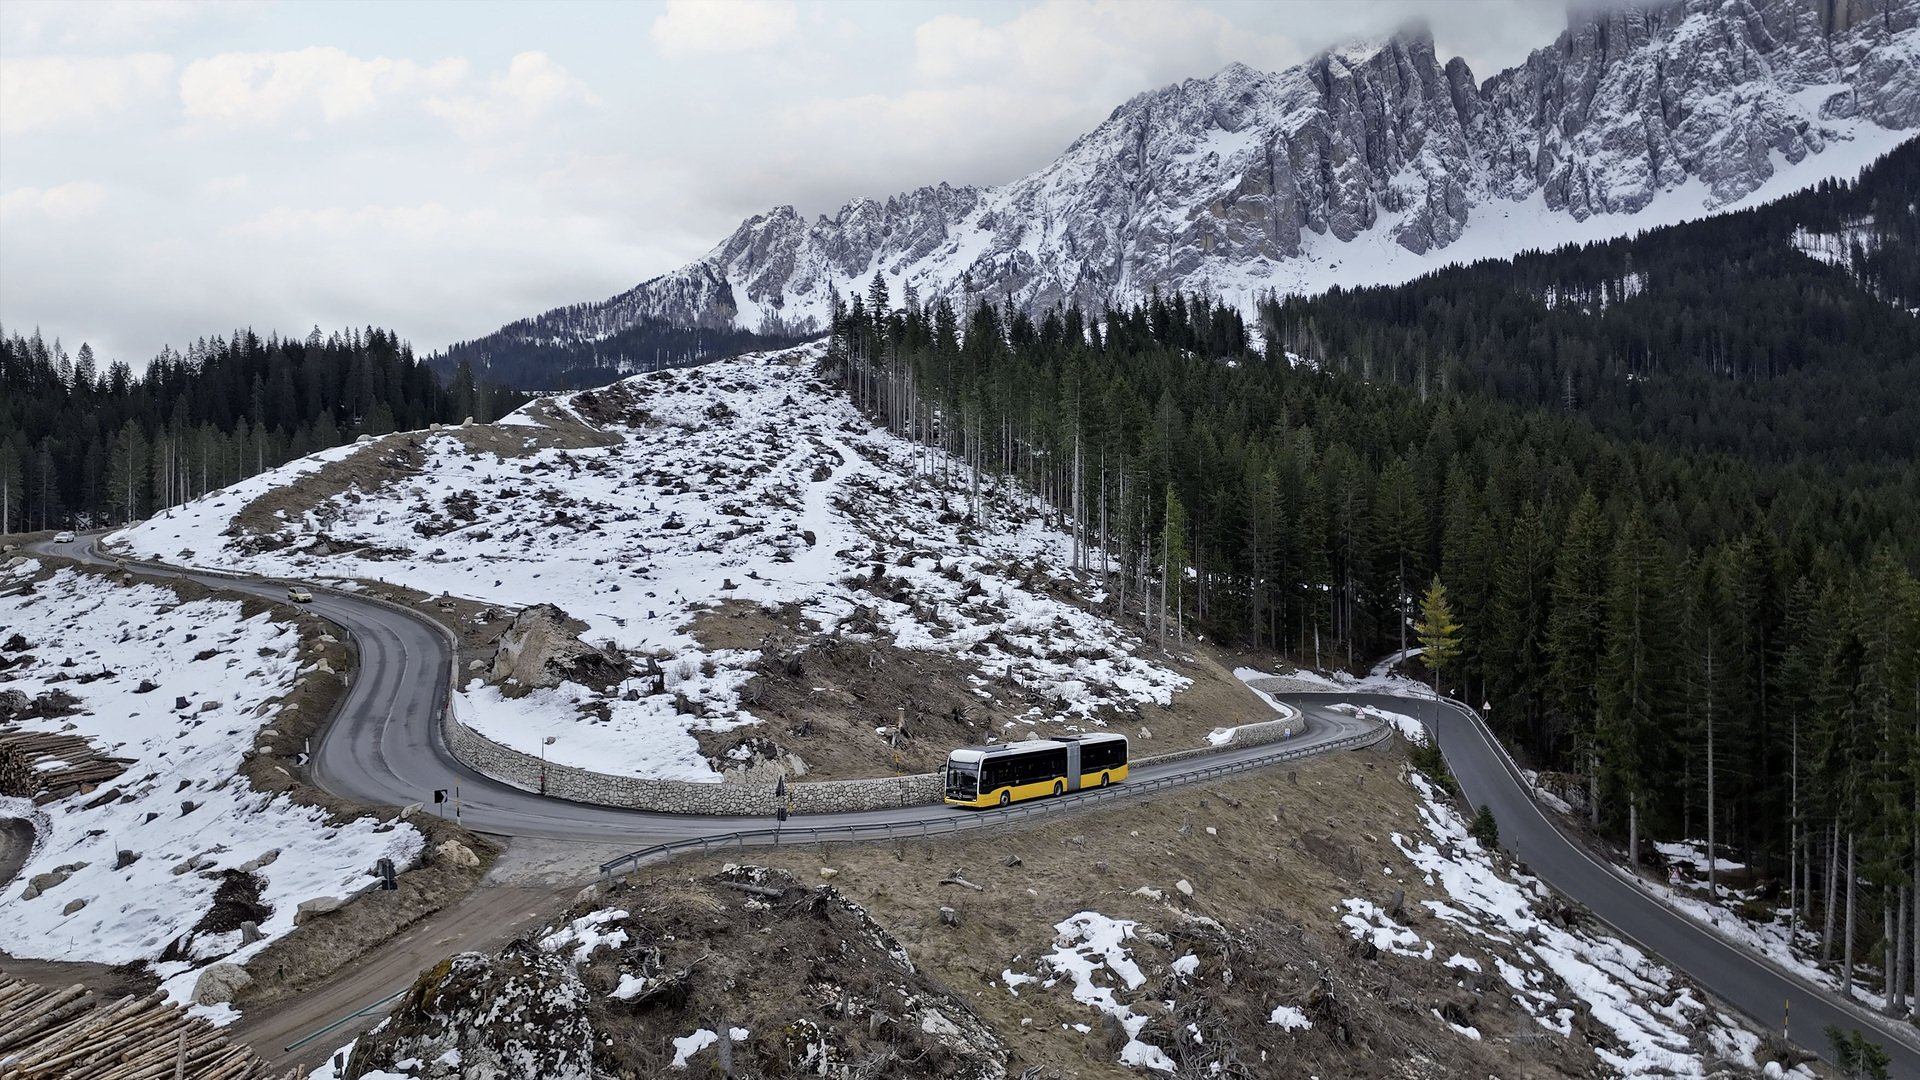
(299, 595)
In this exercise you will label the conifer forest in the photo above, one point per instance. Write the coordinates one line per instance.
(85, 444)
(1696, 618)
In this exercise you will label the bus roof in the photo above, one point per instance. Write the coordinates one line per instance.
(980, 753)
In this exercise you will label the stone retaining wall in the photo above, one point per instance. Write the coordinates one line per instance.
(678, 796)
(523, 771)
(1267, 731)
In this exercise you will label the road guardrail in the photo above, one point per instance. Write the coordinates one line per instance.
(961, 822)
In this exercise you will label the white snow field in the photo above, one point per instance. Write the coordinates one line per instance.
(185, 816)
(749, 479)
(1638, 1000)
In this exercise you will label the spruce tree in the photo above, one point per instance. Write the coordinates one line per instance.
(1438, 632)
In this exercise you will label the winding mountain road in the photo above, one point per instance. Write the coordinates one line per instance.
(1750, 984)
(384, 747)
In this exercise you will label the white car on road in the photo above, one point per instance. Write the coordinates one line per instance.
(63, 538)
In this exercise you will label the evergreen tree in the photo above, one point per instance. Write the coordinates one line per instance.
(12, 497)
(126, 473)
(1438, 632)
(1636, 685)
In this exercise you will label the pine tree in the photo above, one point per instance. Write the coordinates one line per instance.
(1576, 637)
(1518, 660)
(1400, 532)
(1437, 631)
(1636, 683)
(12, 496)
(126, 473)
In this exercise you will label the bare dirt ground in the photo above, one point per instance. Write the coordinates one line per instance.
(483, 919)
(1268, 858)
(825, 694)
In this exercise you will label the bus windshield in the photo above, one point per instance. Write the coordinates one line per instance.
(962, 780)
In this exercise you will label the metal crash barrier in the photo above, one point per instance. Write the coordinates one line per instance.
(976, 819)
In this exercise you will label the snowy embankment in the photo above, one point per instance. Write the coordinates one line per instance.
(1651, 1024)
(180, 689)
(749, 480)
(1656, 1021)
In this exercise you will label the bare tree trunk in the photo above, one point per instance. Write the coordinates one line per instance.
(1846, 980)
(1897, 962)
(1713, 858)
(1794, 896)
(1633, 834)
(1593, 789)
(1888, 954)
(1833, 891)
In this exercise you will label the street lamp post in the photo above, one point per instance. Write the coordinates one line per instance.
(779, 806)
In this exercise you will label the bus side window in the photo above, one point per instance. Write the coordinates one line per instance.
(993, 774)
(1105, 754)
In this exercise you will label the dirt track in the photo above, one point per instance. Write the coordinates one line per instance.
(486, 919)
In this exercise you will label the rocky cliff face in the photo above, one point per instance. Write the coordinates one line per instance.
(1366, 164)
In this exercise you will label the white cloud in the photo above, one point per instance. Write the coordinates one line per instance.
(445, 198)
(1084, 43)
(52, 92)
(109, 24)
(388, 222)
(267, 87)
(692, 28)
(532, 86)
(63, 202)
(987, 102)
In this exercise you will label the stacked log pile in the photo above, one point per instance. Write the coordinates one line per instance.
(53, 1035)
(45, 765)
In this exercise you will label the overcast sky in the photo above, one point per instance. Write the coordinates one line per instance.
(170, 170)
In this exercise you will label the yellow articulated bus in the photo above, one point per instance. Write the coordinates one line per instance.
(1008, 772)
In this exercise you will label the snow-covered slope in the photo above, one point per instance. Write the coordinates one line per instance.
(117, 876)
(1365, 165)
(748, 479)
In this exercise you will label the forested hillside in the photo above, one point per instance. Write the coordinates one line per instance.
(1775, 334)
(575, 346)
(84, 446)
(1630, 609)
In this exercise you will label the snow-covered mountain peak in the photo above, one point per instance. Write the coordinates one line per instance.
(1369, 163)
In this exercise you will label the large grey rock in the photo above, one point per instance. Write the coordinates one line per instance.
(542, 647)
(319, 905)
(219, 982)
(1240, 181)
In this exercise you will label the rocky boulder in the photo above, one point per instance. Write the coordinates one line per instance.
(521, 1013)
(543, 647)
(319, 905)
(220, 982)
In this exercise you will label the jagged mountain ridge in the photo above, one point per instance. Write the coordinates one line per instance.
(1367, 164)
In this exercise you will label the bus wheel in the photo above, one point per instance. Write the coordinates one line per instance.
(1059, 787)
(1006, 797)
(1105, 779)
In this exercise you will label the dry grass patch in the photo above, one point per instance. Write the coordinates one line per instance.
(1269, 860)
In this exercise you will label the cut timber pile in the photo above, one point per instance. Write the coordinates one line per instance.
(55, 765)
(53, 1035)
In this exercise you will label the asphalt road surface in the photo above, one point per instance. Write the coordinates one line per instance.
(384, 747)
(1732, 973)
